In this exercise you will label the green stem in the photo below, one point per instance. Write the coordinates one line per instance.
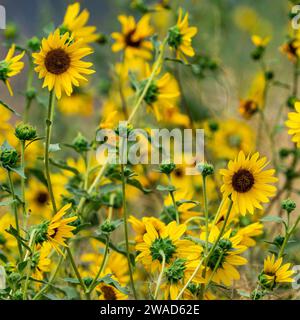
(45, 288)
(206, 259)
(159, 280)
(28, 267)
(78, 276)
(28, 87)
(49, 122)
(156, 67)
(23, 179)
(205, 212)
(126, 231)
(15, 210)
(287, 238)
(94, 282)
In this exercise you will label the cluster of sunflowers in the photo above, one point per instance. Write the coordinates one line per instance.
(71, 228)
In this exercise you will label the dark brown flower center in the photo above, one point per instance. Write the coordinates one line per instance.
(179, 173)
(130, 42)
(42, 198)
(109, 293)
(57, 61)
(242, 181)
(250, 107)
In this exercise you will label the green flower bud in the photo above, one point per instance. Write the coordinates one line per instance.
(213, 125)
(167, 168)
(31, 93)
(174, 37)
(288, 205)
(11, 31)
(25, 132)
(18, 295)
(34, 44)
(88, 281)
(8, 158)
(283, 153)
(80, 143)
(107, 227)
(205, 169)
(257, 294)
(258, 53)
(14, 278)
(269, 75)
(291, 101)
(41, 232)
(278, 241)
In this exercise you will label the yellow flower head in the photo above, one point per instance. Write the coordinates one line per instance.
(260, 42)
(247, 233)
(59, 63)
(75, 23)
(180, 37)
(11, 66)
(247, 183)
(233, 136)
(168, 242)
(41, 262)
(134, 37)
(162, 93)
(294, 124)
(139, 226)
(77, 104)
(225, 259)
(59, 229)
(275, 272)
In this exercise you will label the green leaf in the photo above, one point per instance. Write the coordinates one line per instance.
(7, 203)
(71, 280)
(165, 188)
(3, 257)
(9, 108)
(177, 61)
(136, 183)
(272, 219)
(181, 202)
(111, 282)
(243, 293)
(22, 265)
(11, 230)
(63, 165)
(19, 171)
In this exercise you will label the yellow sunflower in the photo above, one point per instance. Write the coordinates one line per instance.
(247, 183)
(294, 124)
(168, 242)
(59, 63)
(11, 66)
(7, 241)
(180, 37)
(59, 230)
(221, 267)
(134, 37)
(233, 136)
(275, 272)
(75, 23)
(259, 41)
(162, 93)
(41, 262)
(139, 226)
(108, 292)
